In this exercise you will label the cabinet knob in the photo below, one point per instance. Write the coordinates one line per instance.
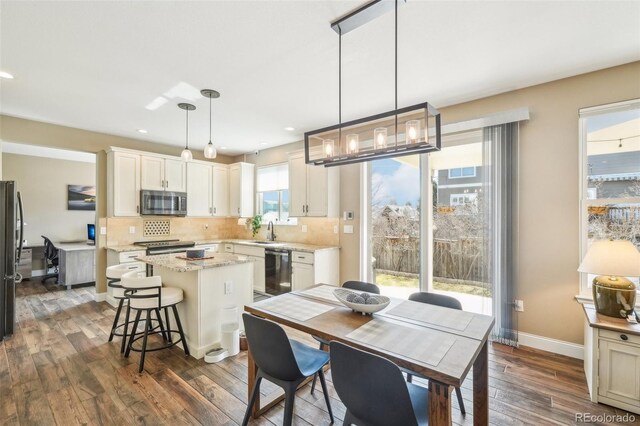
(624, 337)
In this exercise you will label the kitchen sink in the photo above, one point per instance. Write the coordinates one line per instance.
(267, 243)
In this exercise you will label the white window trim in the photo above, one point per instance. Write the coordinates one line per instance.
(585, 292)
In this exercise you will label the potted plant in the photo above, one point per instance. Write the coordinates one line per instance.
(255, 223)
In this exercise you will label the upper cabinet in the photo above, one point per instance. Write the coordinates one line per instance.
(220, 190)
(123, 183)
(313, 190)
(241, 194)
(159, 174)
(199, 189)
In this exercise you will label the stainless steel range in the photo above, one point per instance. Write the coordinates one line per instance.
(165, 246)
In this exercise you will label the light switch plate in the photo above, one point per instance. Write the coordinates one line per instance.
(103, 230)
(228, 287)
(348, 229)
(132, 229)
(336, 229)
(304, 228)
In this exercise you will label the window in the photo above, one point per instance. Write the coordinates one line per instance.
(273, 194)
(610, 177)
(462, 172)
(462, 199)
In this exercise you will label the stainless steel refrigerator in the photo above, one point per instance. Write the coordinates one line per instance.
(12, 232)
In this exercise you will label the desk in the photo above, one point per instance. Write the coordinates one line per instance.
(76, 263)
(466, 333)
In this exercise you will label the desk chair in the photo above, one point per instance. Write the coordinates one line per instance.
(445, 302)
(50, 260)
(282, 361)
(351, 285)
(373, 390)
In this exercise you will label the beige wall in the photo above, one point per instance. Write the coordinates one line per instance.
(19, 130)
(548, 247)
(42, 182)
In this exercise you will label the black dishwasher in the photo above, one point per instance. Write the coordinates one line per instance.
(277, 271)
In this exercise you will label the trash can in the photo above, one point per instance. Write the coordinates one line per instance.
(230, 329)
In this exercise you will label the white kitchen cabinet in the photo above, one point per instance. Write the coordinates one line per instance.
(199, 189)
(313, 190)
(123, 183)
(612, 361)
(302, 276)
(257, 255)
(209, 249)
(220, 190)
(159, 174)
(125, 257)
(319, 267)
(241, 179)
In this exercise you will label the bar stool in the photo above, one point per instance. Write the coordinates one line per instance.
(114, 274)
(147, 294)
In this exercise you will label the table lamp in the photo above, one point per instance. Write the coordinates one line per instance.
(613, 294)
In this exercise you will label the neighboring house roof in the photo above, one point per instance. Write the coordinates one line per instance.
(616, 177)
(393, 210)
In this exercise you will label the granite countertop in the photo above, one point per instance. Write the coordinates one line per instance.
(310, 248)
(171, 261)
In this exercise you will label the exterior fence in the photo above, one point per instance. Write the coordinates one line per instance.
(462, 259)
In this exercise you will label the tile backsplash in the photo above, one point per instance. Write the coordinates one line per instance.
(320, 231)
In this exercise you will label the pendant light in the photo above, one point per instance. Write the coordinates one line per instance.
(186, 154)
(210, 150)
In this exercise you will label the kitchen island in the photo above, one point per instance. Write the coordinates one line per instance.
(209, 285)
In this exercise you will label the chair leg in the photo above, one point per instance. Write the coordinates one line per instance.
(252, 400)
(461, 401)
(166, 317)
(179, 324)
(162, 329)
(289, 400)
(125, 330)
(326, 393)
(133, 333)
(116, 319)
(315, 377)
(144, 341)
(409, 378)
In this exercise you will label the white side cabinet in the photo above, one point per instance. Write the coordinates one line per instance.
(612, 361)
(123, 183)
(128, 258)
(257, 255)
(319, 267)
(160, 173)
(241, 178)
(313, 190)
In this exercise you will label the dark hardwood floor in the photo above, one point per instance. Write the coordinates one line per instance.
(59, 369)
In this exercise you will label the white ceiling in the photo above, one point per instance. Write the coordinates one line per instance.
(96, 65)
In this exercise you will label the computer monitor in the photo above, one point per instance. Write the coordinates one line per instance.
(91, 233)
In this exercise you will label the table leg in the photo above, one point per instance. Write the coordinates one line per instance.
(439, 404)
(481, 387)
(251, 381)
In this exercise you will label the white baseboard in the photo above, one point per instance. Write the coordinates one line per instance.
(548, 344)
(111, 300)
(101, 297)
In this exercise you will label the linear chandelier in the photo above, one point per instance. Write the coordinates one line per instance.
(404, 131)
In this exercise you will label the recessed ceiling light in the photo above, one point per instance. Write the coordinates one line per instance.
(289, 129)
(223, 147)
(6, 75)
(264, 143)
(142, 131)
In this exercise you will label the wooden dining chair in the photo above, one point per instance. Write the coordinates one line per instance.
(446, 302)
(351, 285)
(373, 390)
(282, 361)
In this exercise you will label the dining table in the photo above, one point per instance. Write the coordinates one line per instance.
(440, 344)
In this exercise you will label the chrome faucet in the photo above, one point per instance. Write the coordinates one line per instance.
(271, 236)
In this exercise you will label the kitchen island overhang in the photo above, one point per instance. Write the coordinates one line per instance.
(224, 280)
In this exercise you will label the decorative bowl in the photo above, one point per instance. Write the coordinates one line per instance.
(354, 300)
(195, 253)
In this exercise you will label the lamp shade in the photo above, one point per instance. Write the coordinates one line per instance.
(614, 258)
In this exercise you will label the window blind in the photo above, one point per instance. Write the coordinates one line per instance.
(273, 178)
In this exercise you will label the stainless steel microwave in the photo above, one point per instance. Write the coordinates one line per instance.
(163, 203)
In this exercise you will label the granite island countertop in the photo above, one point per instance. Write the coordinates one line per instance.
(174, 263)
(310, 248)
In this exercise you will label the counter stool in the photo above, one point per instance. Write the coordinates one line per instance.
(114, 274)
(147, 294)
